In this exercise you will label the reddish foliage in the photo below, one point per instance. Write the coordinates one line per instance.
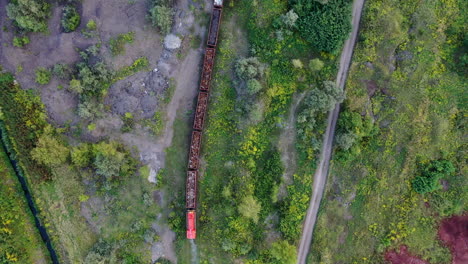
(454, 233)
(403, 257)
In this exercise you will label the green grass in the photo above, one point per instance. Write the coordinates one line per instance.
(369, 205)
(21, 241)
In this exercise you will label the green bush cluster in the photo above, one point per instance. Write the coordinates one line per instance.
(43, 75)
(430, 175)
(29, 15)
(20, 41)
(117, 45)
(161, 15)
(70, 19)
(324, 25)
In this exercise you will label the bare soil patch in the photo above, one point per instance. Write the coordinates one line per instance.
(403, 257)
(454, 233)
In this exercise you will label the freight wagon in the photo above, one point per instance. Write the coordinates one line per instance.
(200, 113)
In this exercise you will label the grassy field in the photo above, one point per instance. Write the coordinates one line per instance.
(20, 241)
(405, 109)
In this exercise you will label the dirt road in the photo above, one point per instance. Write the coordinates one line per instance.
(320, 176)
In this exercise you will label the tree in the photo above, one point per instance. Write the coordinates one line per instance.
(323, 100)
(253, 86)
(75, 86)
(81, 155)
(89, 108)
(49, 150)
(346, 140)
(283, 252)
(43, 75)
(108, 159)
(297, 63)
(30, 15)
(162, 18)
(316, 65)
(325, 26)
(70, 19)
(62, 71)
(250, 208)
(430, 175)
(289, 19)
(249, 68)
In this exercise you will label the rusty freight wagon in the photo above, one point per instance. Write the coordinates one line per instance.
(191, 190)
(194, 154)
(208, 63)
(200, 111)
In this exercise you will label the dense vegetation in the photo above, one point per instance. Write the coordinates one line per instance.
(248, 210)
(325, 24)
(20, 241)
(56, 172)
(161, 15)
(400, 165)
(29, 15)
(70, 19)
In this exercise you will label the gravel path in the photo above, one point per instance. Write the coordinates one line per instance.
(320, 176)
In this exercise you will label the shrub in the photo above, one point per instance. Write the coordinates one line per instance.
(20, 41)
(162, 18)
(325, 26)
(250, 208)
(297, 63)
(70, 19)
(62, 71)
(30, 15)
(283, 253)
(91, 25)
(249, 68)
(316, 65)
(81, 155)
(289, 19)
(49, 151)
(117, 45)
(428, 179)
(43, 75)
(253, 86)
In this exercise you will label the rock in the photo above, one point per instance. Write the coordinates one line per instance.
(172, 42)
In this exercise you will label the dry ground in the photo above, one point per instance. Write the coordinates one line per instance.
(136, 94)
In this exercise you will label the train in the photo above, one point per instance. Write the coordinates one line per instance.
(199, 120)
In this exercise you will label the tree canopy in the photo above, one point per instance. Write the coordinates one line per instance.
(30, 15)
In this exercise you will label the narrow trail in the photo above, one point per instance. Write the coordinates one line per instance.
(320, 176)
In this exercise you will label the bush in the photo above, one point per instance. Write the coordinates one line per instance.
(325, 26)
(283, 253)
(49, 151)
(62, 71)
(249, 68)
(70, 19)
(162, 18)
(91, 25)
(43, 75)
(81, 155)
(316, 65)
(30, 15)
(253, 86)
(428, 179)
(250, 208)
(20, 41)
(117, 45)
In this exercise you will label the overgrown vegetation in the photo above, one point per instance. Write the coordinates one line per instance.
(399, 166)
(117, 44)
(241, 214)
(21, 41)
(20, 240)
(161, 15)
(70, 19)
(29, 15)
